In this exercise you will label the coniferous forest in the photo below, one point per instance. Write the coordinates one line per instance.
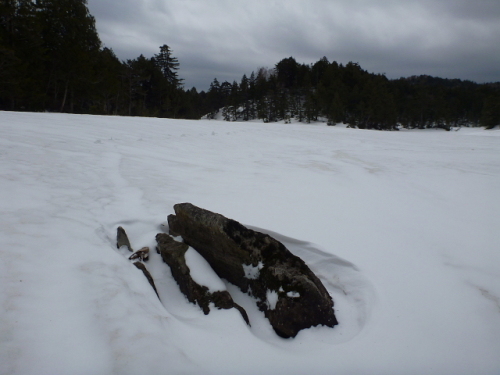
(51, 59)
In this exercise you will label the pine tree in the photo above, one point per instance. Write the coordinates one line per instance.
(286, 72)
(109, 87)
(214, 99)
(168, 65)
(21, 56)
(252, 97)
(139, 73)
(72, 43)
(244, 97)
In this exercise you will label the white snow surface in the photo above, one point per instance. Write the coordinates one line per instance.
(401, 227)
(252, 272)
(201, 272)
(272, 299)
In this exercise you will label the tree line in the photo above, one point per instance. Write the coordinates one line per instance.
(51, 59)
(348, 94)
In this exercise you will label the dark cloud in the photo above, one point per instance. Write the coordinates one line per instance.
(225, 39)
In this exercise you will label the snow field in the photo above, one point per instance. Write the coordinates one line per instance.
(401, 227)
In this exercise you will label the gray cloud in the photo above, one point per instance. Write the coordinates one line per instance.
(225, 39)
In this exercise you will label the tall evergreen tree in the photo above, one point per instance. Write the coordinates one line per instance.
(71, 43)
(168, 65)
(110, 91)
(21, 55)
(287, 72)
(245, 97)
(214, 99)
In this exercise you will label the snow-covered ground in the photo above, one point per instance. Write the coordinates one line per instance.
(401, 227)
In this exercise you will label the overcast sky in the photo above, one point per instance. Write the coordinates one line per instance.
(225, 39)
